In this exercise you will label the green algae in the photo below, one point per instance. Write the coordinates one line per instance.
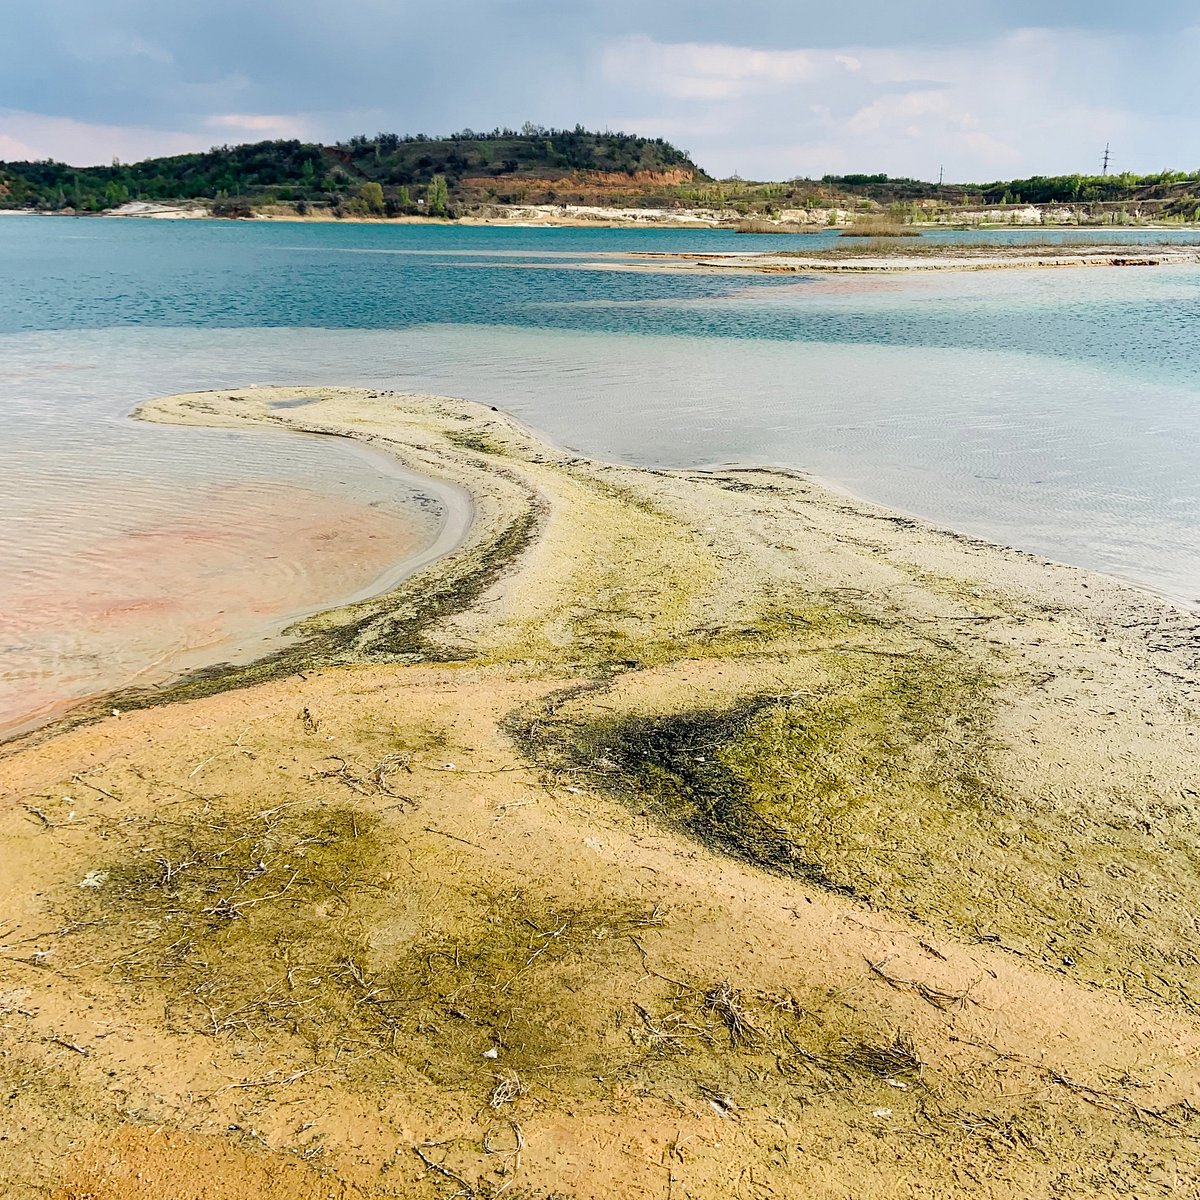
(630, 585)
(279, 929)
(624, 494)
(297, 924)
(835, 788)
(528, 979)
(478, 441)
(242, 921)
(301, 923)
(874, 779)
(45, 1109)
(781, 623)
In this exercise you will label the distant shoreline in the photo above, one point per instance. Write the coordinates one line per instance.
(879, 258)
(549, 216)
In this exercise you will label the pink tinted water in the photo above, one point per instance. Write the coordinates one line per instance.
(213, 575)
(133, 553)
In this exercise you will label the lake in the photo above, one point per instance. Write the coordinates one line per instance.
(1055, 410)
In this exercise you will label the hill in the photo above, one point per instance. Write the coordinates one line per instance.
(386, 174)
(486, 174)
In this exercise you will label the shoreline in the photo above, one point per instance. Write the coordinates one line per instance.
(650, 218)
(281, 630)
(292, 630)
(672, 799)
(1188, 604)
(872, 260)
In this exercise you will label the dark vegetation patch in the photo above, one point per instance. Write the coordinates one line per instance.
(477, 440)
(874, 780)
(880, 229)
(813, 784)
(305, 923)
(726, 1041)
(624, 495)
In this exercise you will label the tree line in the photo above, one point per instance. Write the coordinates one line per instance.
(403, 166)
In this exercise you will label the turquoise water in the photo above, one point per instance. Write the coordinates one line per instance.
(1056, 410)
(60, 273)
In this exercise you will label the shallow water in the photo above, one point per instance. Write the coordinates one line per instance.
(131, 552)
(1056, 410)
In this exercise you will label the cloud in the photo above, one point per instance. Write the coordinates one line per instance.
(771, 89)
(114, 44)
(13, 151)
(898, 110)
(26, 136)
(691, 70)
(259, 125)
(1026, 101)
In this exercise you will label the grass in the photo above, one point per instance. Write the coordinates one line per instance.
(762, 225)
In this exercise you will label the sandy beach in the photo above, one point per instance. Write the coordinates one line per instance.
(865, 257)
(680, 834)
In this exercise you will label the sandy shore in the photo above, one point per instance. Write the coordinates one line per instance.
(868, 259)
(682, 834)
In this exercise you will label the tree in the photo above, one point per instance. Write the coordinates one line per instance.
(437, 196)
(371, 195)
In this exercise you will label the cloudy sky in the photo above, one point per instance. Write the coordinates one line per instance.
(768, 89)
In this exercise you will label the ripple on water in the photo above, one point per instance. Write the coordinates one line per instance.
(132, 553)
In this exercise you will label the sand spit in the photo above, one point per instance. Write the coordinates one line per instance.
(865, 258)
(682, 834)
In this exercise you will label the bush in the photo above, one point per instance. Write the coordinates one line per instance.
(370, 197)
(232, 209)
(880, 229)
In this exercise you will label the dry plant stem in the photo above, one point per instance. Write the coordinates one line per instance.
(465, 1189)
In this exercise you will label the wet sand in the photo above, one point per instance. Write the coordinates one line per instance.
(872, 258)
(679, 830)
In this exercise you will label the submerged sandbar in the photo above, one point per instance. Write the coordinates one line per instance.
(885, 255)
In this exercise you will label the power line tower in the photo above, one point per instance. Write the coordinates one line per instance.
(1106, 157)
(941, 176)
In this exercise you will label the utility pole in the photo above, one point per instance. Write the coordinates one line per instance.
(1106, 157)
(941, 175)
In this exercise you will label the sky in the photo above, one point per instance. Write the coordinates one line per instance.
(765, 89)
